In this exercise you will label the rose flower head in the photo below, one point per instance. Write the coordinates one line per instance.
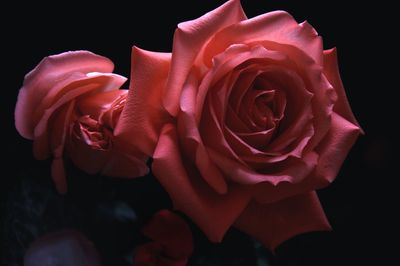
(71, 103)
(259, 119)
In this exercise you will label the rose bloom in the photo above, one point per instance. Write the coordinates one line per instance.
(71, 103)
(171, 241)
(258, 119)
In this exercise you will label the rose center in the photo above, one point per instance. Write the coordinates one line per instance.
(92, 133)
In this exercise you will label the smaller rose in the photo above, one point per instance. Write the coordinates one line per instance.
(172, 242)
(71, 103)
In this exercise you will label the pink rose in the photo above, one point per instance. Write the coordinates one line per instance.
(258, 120)
(71, 103)
(171, 245)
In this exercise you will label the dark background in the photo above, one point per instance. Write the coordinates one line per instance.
(358, 204)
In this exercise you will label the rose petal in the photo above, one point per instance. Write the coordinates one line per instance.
(335, 147)
(143, 116)
(297, 128)
(41, 130)
(172, 232)
(331, 71)
(87, 154)
(212, 212)
(243, 83)
(189, 38)
(279, 31)
(215, 106)
(274, 223)
(191, 140)
(278, 28)
(332, 152)
(251, 155)
(95, 105)
(59, 133)
(45, 75)
(293, 170)
(74, 84)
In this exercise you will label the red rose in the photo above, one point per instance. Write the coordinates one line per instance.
(71, 102)
(259, 120)
(171, 245)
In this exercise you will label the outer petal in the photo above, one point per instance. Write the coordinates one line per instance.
(59, 133)
(335, 147)
(276, 27)
(331, 71)
(212, 212)
(189, 39)
(42, 78)
(96, 105)
(191, 141)
(274, 223)
(143, 116)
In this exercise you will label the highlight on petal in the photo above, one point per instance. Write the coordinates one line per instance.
(40, 81)
(331, 71)
(189, 39)
(212, 212)
(104, 106)
(276, 222)
(278, 29)
(335, 147)
(143, 116)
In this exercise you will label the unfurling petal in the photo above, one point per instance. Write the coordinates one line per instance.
(214, 213)
(143, 116)
(189, 39)
(41, 80)
(276, 222)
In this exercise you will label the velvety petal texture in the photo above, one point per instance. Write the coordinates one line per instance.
(259, 119)
(143, 116)
(71, 104)
(189, 39)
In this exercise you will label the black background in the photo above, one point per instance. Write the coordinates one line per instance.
(358, 203)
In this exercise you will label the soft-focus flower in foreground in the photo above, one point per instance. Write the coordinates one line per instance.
(71, 103)
(63, 248)
(257, 120)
